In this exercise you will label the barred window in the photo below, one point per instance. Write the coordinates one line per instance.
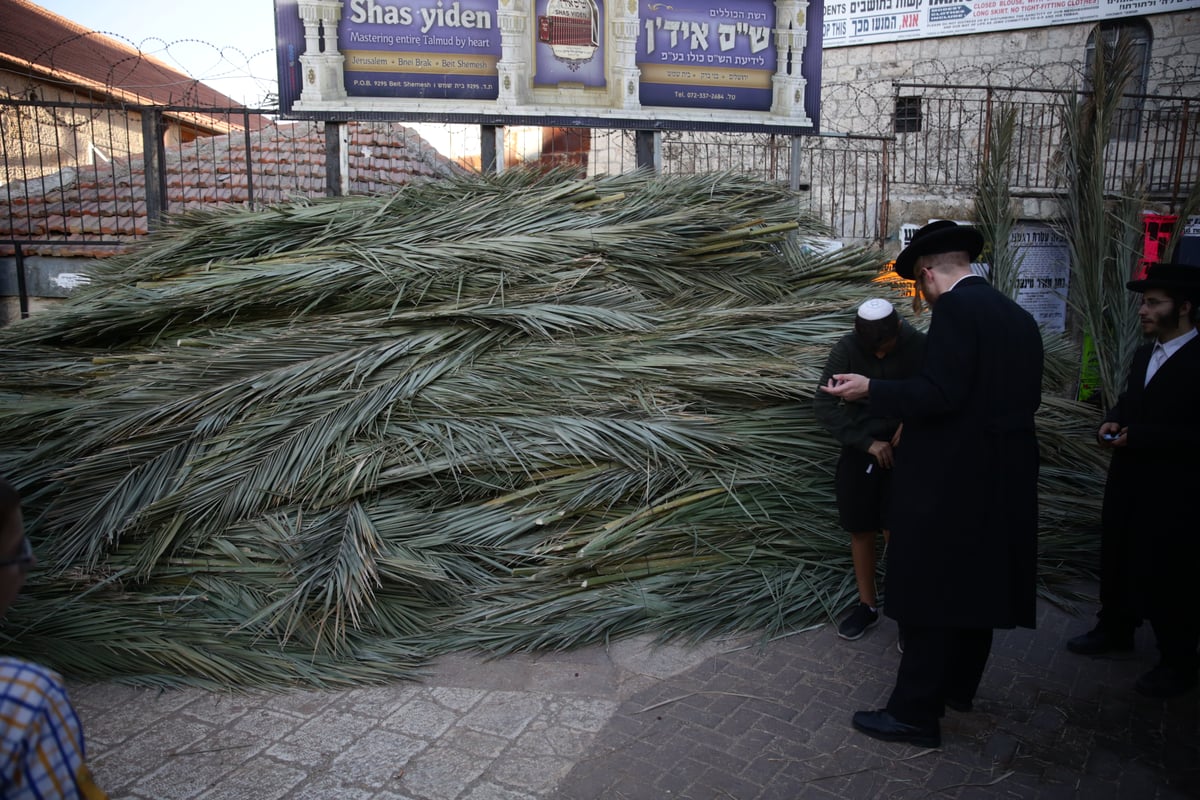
(907, 118)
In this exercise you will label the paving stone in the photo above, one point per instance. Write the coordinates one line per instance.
(637, 721)
(328, 788)
(135, 758)
(1001, 749)
(325, 735)
(377, 759)
(492, 791)
(441, 772)
(263, 780)
(422, 717)
(267, 726)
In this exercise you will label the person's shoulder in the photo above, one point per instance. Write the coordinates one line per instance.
(1191, 346)
(977, 289)
(844, 345)
(965, 295)
(24, 681)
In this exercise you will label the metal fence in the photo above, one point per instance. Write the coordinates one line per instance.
(941, 140)
(74, 174)
(841, 179)
(92, 174)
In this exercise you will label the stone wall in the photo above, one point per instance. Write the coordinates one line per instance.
(859, 89)
(858, 81)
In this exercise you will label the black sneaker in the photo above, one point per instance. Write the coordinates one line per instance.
(858, 622)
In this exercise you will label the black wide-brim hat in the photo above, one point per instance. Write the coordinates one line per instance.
(942, 236)
(1169, 276)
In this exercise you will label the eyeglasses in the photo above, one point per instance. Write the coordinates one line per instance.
(25, 559)
(1153, 302)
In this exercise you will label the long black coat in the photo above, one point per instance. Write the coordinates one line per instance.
(963, 549)
(1153, 479)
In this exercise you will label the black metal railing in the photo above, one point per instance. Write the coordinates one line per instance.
(78, 173)
(1155, 137)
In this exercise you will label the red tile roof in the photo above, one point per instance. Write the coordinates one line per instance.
(107, 202)
(54, 51)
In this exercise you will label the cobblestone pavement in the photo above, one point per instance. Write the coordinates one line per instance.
(728, 719)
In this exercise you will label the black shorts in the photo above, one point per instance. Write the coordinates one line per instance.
(862, 494)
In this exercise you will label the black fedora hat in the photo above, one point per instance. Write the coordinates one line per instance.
(942, 236)
(1168, 276)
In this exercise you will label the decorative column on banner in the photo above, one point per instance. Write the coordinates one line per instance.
(321, 63)
(625, 87)
(513, 69)
(791, 33)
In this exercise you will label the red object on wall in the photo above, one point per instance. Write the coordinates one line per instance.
(1156, 236)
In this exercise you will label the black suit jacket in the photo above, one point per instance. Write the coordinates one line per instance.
(963, 548)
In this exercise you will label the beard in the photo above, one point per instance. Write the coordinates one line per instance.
(1166, 320)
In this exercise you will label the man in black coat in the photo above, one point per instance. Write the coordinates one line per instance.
(1149, 545)
(962, 559)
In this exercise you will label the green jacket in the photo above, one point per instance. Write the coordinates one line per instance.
(850, 423)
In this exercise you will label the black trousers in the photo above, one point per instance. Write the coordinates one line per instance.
(938, 663)
(1118, 607)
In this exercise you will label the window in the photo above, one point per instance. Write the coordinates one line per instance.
(1136, 35)
(907, 118)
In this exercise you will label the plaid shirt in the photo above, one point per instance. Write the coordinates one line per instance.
(41, 740)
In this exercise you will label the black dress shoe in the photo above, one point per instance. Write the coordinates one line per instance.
(1164, 682)
(1098, 641)
(881, 724)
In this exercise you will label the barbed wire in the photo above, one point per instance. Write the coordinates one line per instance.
(254, 74)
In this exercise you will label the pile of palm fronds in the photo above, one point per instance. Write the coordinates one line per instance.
(325, 441)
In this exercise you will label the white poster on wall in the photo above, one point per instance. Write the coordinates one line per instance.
(1043, 273)
(1188, 251)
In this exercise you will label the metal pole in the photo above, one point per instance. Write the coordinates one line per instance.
(795, 160)
(337, 159)
(154, 159)
(249, 159)
(22, 289)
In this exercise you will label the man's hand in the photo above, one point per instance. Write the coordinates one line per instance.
(1111, 434)
(848, 386)
(882, 452)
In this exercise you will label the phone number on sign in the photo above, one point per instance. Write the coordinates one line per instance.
(731, 96)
